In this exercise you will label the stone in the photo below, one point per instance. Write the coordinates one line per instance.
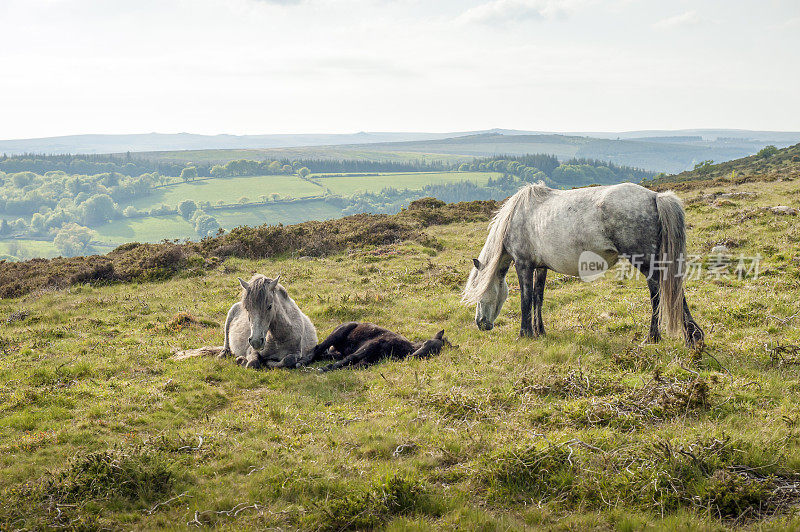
(719, 250)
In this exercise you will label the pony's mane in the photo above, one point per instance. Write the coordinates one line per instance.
(257, 292)
(479, 280)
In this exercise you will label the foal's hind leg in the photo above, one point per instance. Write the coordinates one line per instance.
(538, 298)
(525, 275)
(320, 351)
(360, 357)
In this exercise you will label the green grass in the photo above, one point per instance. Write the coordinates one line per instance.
(348, 185)
(585, 428)
(229, 190)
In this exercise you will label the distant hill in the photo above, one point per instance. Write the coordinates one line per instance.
(190, 141)
(656, 150)
(659, 155)
(767, 165)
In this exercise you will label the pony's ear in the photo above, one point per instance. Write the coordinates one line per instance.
(274, 284)
(439, 335)
(243, 283)
(477, 264)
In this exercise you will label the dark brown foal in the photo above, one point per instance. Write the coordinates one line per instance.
(362, 344)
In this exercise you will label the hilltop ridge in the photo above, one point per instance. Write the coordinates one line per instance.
(770, 164)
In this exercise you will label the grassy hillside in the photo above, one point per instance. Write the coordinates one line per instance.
(586, 428)
(784, 163)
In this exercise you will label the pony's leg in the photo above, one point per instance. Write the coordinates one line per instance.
(538, 298)
(250, 361)
(362, 356)
(695, 337)
(653, 285)
(320, 351)
(525, 275)
(232, 314)
(655, 334)
(289, 361)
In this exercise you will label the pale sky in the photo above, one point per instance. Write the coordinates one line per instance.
(338, 66)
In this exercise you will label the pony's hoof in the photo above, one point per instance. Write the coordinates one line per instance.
(695, 339)
(241, 361)
(695, 343)
(225, 353)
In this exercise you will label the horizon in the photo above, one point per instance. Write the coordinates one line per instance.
(498, 130)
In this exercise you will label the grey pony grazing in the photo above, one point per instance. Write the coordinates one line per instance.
(267, 326)
(540, 228)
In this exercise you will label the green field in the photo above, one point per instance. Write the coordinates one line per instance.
(229, 190)
(149, 229)
(587, 428)
(285, 213)
(349, 185)
(30, 248)
(157, 228)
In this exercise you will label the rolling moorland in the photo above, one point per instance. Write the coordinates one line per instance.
(586, 428)
(53, 205)
(652, 152)
(718, 144)
(76, 205)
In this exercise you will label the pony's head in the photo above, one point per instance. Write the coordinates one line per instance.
(258, 300)
(432, 346)
(489, 290)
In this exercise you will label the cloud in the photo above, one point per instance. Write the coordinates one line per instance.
(787, 24)
(689, 18)
(507, 11)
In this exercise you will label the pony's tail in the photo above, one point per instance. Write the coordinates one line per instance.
(492, 251)
(672, 254)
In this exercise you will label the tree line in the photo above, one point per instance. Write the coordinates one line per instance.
(133, 166)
